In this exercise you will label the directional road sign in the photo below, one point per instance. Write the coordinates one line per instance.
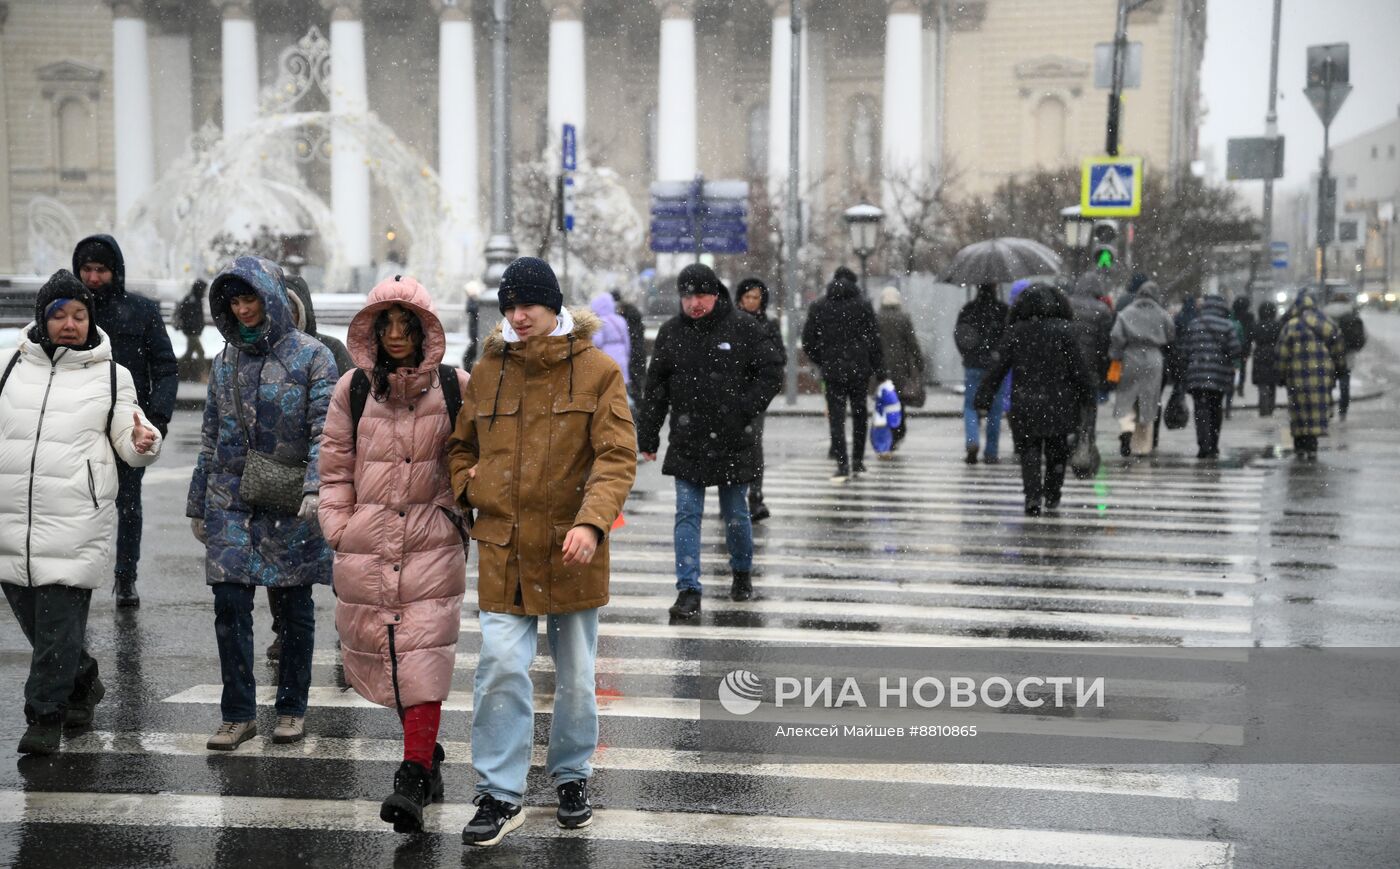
(699, 216)
(569, 150)
(1279, 254)
(1111, 187)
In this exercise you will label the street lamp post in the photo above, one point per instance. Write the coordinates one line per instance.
(1079, 231)
(500, 247)
(863, 222)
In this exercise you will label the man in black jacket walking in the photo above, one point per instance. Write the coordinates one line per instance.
(842, 337)
(713, 372)
(140, 343)
(977, 333)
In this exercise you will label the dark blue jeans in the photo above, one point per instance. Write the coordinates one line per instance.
(128, 518)
(233, 629)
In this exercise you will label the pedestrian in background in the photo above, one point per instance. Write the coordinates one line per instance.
(1342, 311)
(713, 371)
(611, 336)
(1092, 327)
(637, 346)
(1139, 341)
(753, 300)
(188, 320)
(1049, 387)
(978, 332)
(134, 326)
(1211, 346)
(1265, 371)
(1310, 352)
(388, 512)
(842, 338)
(59, 486)
(268, 394)
(904, 358)
(545, 452)
(304, 313)
(1241, 314)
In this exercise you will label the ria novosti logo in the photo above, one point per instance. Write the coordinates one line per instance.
(740, 692)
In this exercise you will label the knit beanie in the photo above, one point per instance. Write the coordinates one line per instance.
(62, 287)
(698, 279)
(529, 281)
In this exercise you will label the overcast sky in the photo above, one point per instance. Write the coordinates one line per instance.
(1235, 75)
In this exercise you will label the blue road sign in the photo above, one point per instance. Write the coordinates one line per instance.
(1279, 250)
(715, 210)
(1111, 187)
(570, 149)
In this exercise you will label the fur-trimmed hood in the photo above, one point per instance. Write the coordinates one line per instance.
(586, 325)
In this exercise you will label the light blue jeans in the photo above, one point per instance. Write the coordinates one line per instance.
(738, 530)
(973, 380)
(503, 718)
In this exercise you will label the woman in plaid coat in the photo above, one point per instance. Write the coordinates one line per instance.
(1309, 352)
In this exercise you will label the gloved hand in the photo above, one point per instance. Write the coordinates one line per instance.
(309, 505)
(197, 526)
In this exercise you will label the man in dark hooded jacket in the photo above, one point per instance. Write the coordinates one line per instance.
(976, 334)
(300, 297)
(713, 371)
(842, 337)
(139, 343)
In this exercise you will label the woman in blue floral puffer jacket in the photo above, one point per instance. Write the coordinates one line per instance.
(285, 381)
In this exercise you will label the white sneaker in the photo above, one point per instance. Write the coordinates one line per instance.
(289, 728)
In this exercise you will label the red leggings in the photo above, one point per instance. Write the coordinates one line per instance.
(420, 730)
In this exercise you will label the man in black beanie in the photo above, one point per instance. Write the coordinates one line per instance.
(713, 372)
(139, 343)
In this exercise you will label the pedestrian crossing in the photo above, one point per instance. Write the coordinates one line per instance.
(922, 552)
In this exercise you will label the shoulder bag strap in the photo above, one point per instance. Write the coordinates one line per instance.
(8, 368)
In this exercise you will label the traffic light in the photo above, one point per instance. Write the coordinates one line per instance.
(1105, 243)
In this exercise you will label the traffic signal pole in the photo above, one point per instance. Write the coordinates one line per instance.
(1115, 93)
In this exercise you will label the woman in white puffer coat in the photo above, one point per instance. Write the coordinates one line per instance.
(67, 411)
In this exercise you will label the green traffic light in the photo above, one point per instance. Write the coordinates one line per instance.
(1105, 259)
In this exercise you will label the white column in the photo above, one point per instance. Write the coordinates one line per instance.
(239, 56)
(903, 114)
(131, 104)
(675, 104)
(172, 88)
(567, 92)
(780, 97)
(7, 236)
(457, 131)
(349, 98)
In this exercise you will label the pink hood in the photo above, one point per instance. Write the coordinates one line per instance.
(398, 290)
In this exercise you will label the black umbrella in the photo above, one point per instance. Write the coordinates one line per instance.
(1001, 260)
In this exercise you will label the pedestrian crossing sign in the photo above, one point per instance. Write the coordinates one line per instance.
(1111, 187)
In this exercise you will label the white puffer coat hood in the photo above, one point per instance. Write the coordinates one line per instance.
(58, 473)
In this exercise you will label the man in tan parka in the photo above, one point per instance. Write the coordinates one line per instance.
(545, 452)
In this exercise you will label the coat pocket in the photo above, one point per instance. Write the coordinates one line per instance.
(92, 485)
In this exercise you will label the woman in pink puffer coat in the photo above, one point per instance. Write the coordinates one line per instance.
(388, 512)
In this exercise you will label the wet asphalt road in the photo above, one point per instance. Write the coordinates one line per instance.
(1254, 550)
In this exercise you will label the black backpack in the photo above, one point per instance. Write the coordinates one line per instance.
(112, 375)
(359, 395)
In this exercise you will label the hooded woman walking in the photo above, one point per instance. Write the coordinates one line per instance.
(388, 512)
(612, 337)
(753, 298)
(268, 394)
(1310, 352)
(1210, 346)
(1265, 371)
(1050, 386)
(1138, 341)
(67, 413)
(904, 358)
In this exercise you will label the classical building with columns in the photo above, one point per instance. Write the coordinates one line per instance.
(100, 98)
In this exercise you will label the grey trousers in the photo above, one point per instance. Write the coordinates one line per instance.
(54, 621)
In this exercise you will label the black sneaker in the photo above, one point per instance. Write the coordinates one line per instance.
(1052, 502)
(1032, 509)
(79, 713)
(412, 791)
(574, 809)
(43, 736)
(758, 511)
(687, 605)
(493, 819)
(971, 457)
(858, 467)
(742, 589)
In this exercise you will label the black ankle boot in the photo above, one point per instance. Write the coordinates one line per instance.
(687, 605)
(412, 791)
(126, 592)
(1125, 444)
(742, 589)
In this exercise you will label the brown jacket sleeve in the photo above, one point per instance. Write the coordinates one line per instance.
(463, 450)
(614, 456)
